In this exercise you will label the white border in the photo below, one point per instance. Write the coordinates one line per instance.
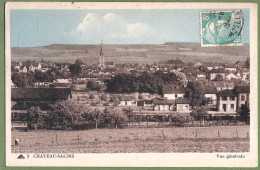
(140, 159)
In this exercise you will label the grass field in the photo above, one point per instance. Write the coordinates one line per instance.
(134, 140)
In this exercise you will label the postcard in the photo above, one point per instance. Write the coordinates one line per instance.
(131, 84)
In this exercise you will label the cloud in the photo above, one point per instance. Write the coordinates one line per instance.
(113, 28)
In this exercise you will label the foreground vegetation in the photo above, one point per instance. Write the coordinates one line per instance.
(140, 140)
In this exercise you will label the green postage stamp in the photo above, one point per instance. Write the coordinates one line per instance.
(221, 28)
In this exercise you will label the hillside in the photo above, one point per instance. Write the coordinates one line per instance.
(140, 53)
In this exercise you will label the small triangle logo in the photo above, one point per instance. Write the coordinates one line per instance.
(21, 157)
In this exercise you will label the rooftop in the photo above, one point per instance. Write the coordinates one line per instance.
(173, 89)
(162, 101)
(227, 93)
(183, 101)
(242, 89)
(47, 94)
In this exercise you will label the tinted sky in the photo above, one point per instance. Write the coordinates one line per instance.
(31, 28)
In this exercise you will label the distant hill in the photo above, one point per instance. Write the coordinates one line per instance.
(140, 53)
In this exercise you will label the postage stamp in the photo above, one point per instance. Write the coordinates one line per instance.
(221, 28)
(131, 84)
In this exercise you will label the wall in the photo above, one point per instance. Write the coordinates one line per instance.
(228, 103)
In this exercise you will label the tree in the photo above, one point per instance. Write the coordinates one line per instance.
(79, 61)
(43, 76)
(33, 114)
(140, 96)
(65, 114)
(199, 113)
(23, 79)
(75, 69)
(93, 85)
(195, 91)
(244, 113)
(178, 120)
(219, 77)
(103, 97)
(91, 96)
(118, 117)
(247, 63)
(97, 117)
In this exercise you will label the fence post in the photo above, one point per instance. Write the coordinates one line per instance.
(237, 133)
(196, 134)
(247, 135)
(162, 135)
(218, 134)
(56, 138)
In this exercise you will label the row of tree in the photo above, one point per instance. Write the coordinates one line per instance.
(72, 115)
(27, 79)
(145, 82)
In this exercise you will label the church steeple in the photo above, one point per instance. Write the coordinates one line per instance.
(101, 56)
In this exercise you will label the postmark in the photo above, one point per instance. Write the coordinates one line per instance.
(221, 28)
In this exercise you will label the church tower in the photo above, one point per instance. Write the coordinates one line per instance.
(101, 57)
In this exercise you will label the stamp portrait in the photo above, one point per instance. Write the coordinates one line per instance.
(221, 28)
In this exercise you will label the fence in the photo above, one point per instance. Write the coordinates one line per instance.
(101, 140)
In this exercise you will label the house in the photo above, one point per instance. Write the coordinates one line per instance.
(211, 66)
(201, 74)
(163, 104)
(172, 92)
(243, 93)
(23, 69)
(210, 93)
(62, 80)
(227, 101)
(145, 103)
(33, 65)
(24, 98)
(230, 67)
(231, 76)
(213, 74)
(109, 64)
(244, 74)
(222, 85)
(127, 101)
(183, 105)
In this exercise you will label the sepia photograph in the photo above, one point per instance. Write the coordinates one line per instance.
(130, 79)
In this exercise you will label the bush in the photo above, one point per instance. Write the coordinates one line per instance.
(178, 120)
(65, 115)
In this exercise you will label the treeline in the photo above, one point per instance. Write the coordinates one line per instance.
(27, 79)
(72, 115)
(145, 82)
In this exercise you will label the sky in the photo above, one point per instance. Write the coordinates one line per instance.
(31, 28)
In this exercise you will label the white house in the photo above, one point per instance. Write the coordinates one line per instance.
(230, 67)
(231, 76)
(127, 101)
(163, 104)
(62, 80)
(213, 74)
(23, 69)
(227, 101)
(173, 92)
(183, 105)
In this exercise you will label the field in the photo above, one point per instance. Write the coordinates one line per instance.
(140, 53)
(134, 140)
